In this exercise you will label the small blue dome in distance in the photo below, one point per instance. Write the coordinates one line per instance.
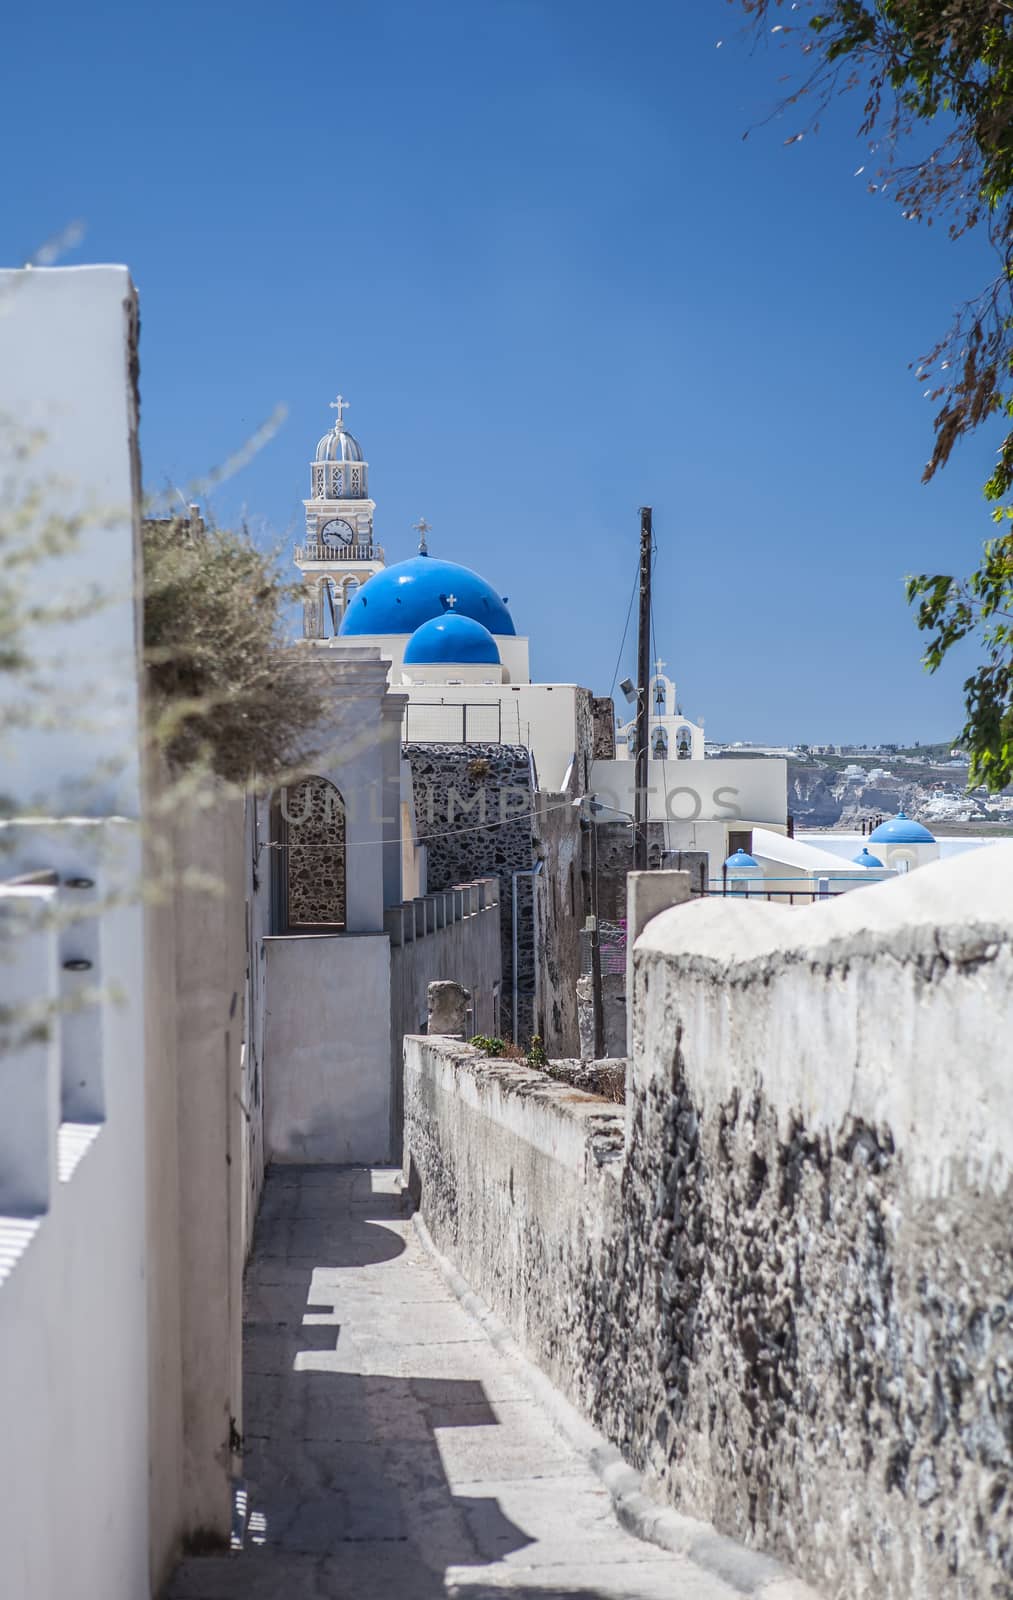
(866, 859)
(401, 598)
(741, 859)
(451, 638)
(901, 830)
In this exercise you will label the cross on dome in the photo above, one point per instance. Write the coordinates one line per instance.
(422, 527)
(451, 600)
(340, 405)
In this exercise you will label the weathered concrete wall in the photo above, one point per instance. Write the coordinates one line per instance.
(518, 1180)
(559, 908)
(465, 951)
(195, 973)
(791, 1306)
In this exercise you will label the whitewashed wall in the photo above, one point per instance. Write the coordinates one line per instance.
(74, 1442)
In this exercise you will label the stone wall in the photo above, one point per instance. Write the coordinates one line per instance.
(473, 805)
(788, 1300)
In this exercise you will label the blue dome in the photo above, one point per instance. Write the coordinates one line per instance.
(452, 638)
(401, 598)
(901, 830)
(866, 859)
(741, 859)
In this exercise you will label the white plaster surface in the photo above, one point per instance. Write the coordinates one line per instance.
(327, 1078)
(932, 1061)
(65, 373)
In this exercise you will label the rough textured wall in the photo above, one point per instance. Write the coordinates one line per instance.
(560, 913)
(517, 1176)
(821, 1186)
(603, 712)
(794, 1311)
(615, 860)
(473, 805)
(585, 739)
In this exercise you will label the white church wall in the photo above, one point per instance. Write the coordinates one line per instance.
(513, 652)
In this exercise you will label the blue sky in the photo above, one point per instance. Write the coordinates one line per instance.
(528, 240)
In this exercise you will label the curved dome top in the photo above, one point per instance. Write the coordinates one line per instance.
(338, 445)
(901, 830)
(401, 598)
(452, 638)
(865, 858)
(741, 860)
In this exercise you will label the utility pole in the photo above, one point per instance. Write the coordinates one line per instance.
(643, 702)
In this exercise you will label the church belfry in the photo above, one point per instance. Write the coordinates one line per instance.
(339, 553)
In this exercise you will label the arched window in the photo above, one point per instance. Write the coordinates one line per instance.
(683, 744)
(659, 744)
(309, 829)
(659, 696)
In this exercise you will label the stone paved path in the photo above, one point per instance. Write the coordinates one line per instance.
(392, 1452)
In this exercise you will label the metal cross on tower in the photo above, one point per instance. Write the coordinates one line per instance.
(659, 666)
(422, 527)
(340, 405)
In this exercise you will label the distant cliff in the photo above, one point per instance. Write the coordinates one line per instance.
(843, 795)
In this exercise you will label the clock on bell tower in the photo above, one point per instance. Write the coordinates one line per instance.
(339, 555)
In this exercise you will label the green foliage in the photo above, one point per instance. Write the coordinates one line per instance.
(228, 693)
(537, 1056)
(489, 1044)
(945, 66)
(983, 605)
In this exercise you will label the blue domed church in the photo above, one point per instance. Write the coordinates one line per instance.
(433, 620)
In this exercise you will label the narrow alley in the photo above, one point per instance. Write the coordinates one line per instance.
(392, 1452)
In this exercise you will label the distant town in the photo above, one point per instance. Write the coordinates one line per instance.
(847, 787)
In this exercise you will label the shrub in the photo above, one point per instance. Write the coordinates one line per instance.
(227, 691)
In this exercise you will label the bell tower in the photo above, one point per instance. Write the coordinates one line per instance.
(339, 554)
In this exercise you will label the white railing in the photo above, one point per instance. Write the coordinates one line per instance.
(334, 555)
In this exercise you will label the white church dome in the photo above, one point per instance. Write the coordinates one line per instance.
(339, 445)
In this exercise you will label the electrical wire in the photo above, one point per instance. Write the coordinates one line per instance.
(423, 838)
(626, 629)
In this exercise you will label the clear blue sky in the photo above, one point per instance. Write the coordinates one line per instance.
(526, 238)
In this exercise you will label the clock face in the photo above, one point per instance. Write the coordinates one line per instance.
(337, 533)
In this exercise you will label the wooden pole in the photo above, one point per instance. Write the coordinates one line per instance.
(643, 696)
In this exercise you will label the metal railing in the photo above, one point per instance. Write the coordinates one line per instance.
(804, 891)
(438, 723)
(339, 552)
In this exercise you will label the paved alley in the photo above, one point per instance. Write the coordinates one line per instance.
(392, 1453)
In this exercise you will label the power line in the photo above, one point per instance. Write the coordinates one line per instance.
(626, 629)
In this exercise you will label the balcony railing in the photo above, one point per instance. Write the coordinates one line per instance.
(337, 553)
